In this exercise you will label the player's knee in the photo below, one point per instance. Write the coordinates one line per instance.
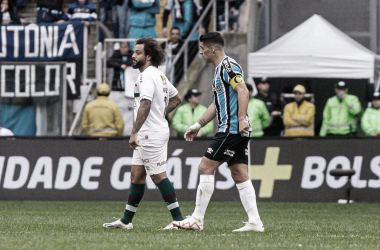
(137, 178)
(203, 169)
(239, 176)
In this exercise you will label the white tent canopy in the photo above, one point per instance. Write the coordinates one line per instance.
(316, 49)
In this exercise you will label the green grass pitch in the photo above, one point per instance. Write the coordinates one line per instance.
(78, 225)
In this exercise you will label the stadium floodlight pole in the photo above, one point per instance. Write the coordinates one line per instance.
(185, 44)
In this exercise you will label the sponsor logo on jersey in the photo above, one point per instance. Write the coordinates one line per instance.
(210, 151)
(161, 163)
(145, 160)
(227, 66)
(162, 78)
(229, 152)
(216, 88)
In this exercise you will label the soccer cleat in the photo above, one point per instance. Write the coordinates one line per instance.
(170, 227)
(190, 222)
(118, 224)
(258, 227)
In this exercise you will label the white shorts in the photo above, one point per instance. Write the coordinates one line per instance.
(152, 153)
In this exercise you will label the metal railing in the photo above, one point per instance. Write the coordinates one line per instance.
(101, 54)
(198, 26)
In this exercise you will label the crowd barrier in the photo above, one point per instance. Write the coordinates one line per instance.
(297, 170)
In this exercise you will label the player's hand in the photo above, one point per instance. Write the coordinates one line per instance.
(190, 134)
(199, 134)
(133, 142)
(192, 131)
(123, 66)
(60, 21)
(243, 128)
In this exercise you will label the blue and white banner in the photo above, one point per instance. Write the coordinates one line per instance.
(41, 42)
(46, 42)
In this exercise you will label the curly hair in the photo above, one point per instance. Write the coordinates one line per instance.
(152, 49)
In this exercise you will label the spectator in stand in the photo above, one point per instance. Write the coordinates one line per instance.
(81, 10)
(185, 14)
(233, 13)
(174, 45)
(371, 117)
(8, 16)
(101, 117)
(119, 61)
(123, 84)
(257, 113)
(49, 11)
(108, 7)
(142, 18)
(123, 17)
(299, 115)
(274, 105)
(5, 132)
(339, 114)
(206, 20)
(17, 4)
(190, 113)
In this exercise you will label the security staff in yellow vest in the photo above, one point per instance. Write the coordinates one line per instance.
(339, 114)
(299, 115)
(102, 117)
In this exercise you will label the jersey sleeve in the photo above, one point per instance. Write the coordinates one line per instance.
(146, 87)
(233, 74)
(172, 90)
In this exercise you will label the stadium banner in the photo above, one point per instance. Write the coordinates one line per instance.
(37, 81)
(43, 43)
(281, 170)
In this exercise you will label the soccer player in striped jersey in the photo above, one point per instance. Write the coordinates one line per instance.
(155, 97)
(230, 143)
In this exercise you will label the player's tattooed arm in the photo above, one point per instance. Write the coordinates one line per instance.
(142, 114)
(208, 116)
(173, 103)
(202, 122)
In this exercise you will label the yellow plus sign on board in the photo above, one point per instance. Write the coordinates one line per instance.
(269, 172)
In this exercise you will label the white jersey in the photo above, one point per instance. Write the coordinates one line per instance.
(153, 85)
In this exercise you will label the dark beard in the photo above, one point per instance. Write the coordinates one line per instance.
(139, 64)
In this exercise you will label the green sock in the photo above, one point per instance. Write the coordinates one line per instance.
(170, 198)
(135, 195)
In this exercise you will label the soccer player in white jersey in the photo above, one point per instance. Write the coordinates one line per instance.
(230, 143)
(155, 97)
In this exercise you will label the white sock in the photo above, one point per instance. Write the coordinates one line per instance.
(204, 193)
(248, 198)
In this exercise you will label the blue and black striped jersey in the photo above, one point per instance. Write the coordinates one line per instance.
(225, 97)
